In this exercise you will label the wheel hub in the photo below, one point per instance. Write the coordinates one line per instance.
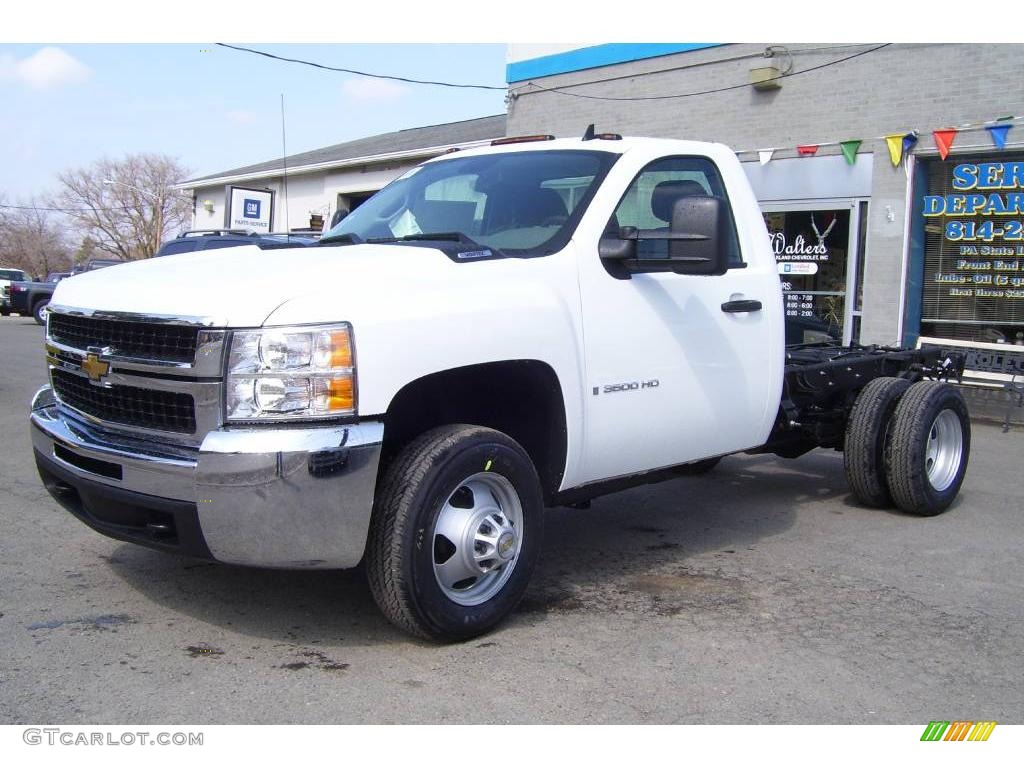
(477, 538)
(944, 450)
(506, 545)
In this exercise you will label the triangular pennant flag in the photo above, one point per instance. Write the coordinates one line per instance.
(998, 134)
(850, 150)
(807, 150)
(895, 142)
(944, 140)
(909, 140)
(765, 155)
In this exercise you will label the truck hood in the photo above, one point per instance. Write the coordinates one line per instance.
(242, 286)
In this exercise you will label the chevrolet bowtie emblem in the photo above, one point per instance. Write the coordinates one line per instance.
(95, 368)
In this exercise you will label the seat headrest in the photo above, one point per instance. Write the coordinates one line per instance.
(667, 192)
(541, 205)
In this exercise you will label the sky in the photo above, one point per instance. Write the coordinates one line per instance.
(214, 108)
(116, 82)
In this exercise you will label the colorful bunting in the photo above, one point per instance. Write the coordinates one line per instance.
(902, 144)
(850, 150)
(944, 140)
(895, 142)
(998, 134)
(909, 140)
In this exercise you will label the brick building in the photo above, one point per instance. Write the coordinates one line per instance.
(855, 248)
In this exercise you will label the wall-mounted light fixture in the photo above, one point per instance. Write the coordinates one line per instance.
(208, 206)
(765, 78)
(769, 76)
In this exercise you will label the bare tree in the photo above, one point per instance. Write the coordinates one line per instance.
(32, 239)
(126, 207)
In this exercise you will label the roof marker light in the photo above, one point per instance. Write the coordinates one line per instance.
(589, 135)
(522, 139)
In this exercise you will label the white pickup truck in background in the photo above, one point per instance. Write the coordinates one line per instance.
(501, 330)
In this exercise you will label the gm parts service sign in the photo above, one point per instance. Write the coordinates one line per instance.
(251, 209)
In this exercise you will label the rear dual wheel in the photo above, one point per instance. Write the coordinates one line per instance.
(866, 430)
(927, 448)
(456, 532)
(907, 445)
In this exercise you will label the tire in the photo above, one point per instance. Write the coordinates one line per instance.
(38, 311)
(701, 467)
(465, 483)
(5, 311)
(864, 444)
(927, 448)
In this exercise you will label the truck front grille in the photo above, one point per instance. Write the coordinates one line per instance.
(145, 341)
(131, 406)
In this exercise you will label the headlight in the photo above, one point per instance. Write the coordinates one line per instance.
(291, 373)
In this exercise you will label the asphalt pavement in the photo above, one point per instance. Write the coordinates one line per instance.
(761, 593)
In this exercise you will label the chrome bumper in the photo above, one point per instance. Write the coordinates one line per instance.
(264, 496)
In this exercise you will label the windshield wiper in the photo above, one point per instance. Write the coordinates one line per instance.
(346, 238)
(452, 237)
(446, 237)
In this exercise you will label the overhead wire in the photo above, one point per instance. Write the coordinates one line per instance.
(64, 210)
(362, 73)
(562, 90)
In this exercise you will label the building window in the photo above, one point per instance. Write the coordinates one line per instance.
(972, 284)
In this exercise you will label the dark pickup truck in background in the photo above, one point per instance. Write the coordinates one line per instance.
(31, 298)
(210, 239)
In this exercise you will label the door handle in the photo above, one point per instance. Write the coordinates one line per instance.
(742, 305)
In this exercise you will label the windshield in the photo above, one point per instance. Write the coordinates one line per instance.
(12, 274)
(516, 203)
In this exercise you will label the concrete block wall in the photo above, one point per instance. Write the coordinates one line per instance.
(899, 88)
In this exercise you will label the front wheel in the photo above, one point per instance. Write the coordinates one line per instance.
(456, 532)
(927, 447)
(39, 311)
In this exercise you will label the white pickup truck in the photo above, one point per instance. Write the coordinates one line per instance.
(501, 330)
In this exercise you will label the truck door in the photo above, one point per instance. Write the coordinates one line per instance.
(674, 373)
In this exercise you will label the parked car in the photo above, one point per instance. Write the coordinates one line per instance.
(93, 264)
(7, 276)
(209, 239)
(32, 297)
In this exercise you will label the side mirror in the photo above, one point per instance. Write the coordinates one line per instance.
(698, 236)
(697, 239)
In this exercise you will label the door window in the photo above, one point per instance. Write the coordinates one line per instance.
(648, 202)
